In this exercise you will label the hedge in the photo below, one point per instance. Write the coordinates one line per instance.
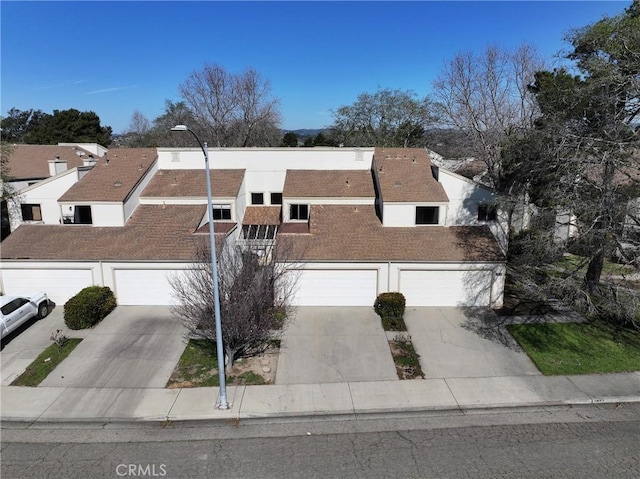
(89, 307)
(390, 307)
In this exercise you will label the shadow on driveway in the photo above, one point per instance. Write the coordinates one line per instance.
(448, 348)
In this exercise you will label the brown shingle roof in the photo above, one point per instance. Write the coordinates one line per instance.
(350, 233)
(173, 183)
(261, 215)
(152, 233)
(32, 161)
(328, 184)
(405, 176)
(114, 177)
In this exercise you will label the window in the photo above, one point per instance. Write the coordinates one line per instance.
(257, 198)
(299, 212)
(31, 212)
(82, 215)
(221, 212)
(260, 232)
(427, 215)
(14, 305)
(487, 213)
(276, 198)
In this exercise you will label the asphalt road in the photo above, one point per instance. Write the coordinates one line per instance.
(583, 442)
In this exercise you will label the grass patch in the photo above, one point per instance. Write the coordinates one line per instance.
(579, 348)
(574, 262)
(46, 362)
(198, 367)
(406, 359)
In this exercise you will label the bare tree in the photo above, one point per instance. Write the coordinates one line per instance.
(391, 118)
(486, 97)
(139, 130)
(236, 109)
(255, 294)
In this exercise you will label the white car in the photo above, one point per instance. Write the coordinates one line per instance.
(16, 310)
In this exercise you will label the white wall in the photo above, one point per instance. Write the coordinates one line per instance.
(498, 271)
(107, 214)
(266, 182)
(46, 194)
(404, 214)
(464, 198)
(133, 200)
(60, 280)
(267, 159)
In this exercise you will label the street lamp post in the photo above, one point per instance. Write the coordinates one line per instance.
(223, 404)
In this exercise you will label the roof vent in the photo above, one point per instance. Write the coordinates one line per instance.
(117, 184)
(140, 167)
(347, 182)
(397, 183)
(174, 182)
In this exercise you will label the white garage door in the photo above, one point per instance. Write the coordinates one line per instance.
(336, 288)
(144, 286)
(446, 288)
(59, 284)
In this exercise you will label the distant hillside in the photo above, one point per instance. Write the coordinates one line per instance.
(305, 132)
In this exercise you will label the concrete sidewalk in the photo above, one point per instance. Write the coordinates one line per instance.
(452, 396)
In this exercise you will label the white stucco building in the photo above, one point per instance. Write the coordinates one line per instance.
(363, 220)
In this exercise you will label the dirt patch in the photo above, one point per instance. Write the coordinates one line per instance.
(248, 370)
(406, 359)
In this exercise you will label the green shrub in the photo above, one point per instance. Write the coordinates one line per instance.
(88, 307)
(390, 307)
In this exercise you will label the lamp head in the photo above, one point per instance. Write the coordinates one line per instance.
(180, 128)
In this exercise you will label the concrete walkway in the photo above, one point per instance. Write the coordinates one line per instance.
(145, 344)
(348, 400)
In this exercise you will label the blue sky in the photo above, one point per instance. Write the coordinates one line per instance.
(120, 56)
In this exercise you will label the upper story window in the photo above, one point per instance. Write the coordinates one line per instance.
(257, 198)
(276, 198)
(31, 212)
(259, 232)
(221, 212)
(487, 213)
(82, 215)
(299, 212)
(427, 215)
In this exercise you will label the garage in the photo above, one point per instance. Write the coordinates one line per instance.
(144, 286)
(446, 287)
(58, 284)
(336, 288)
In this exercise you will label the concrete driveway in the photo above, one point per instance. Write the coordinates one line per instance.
(447, 349)
(334, 344)
(134, 346)
(24, 345)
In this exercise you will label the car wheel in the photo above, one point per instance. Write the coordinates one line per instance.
(43, 310)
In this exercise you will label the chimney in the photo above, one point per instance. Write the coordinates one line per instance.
(57, 166)
(90, 161)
